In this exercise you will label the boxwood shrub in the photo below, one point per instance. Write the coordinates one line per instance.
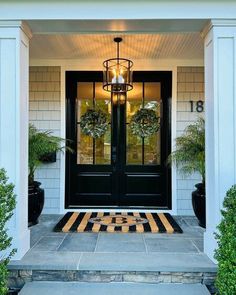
(7, 205)
(226, 252)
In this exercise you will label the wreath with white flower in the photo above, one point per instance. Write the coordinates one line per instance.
(144, 123)
(94, 123)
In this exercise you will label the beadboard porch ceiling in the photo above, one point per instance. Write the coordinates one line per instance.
(188, 45)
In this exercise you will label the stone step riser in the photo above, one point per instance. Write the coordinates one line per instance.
(19, 277)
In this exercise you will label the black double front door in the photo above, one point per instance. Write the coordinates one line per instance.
(118, 169)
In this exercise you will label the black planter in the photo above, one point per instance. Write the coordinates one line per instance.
(13, 291)
(199, 204)
(35, 202)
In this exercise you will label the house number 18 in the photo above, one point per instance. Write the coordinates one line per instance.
(197, 106)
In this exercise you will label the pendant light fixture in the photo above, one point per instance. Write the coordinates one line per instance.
(117, 76)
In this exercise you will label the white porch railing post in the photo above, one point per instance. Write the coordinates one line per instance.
(220, 91)
(14, 68)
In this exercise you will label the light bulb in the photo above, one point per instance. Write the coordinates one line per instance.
(113, 81)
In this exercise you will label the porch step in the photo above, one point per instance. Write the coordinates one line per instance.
(72, 288)
(117, 268)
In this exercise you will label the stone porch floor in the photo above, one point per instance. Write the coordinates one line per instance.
(114, 258)
(123, 252)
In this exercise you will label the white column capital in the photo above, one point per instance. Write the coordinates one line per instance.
(217, 23)
(17, 24)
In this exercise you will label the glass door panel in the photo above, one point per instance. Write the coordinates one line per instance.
(91, 151)
(152, 144)
(134, 100)
(152, 152)
(103, 148)
(143, 151)
(133, 142)
(84, 148)
(133, 148)
(152, 91)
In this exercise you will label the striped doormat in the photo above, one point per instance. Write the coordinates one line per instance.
(118, 222)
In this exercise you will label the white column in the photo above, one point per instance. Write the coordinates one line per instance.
(14, 89)
(220, 91)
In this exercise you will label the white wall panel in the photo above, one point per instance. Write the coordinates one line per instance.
(190, 82)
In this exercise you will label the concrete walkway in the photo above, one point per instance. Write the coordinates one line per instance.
(62, 288)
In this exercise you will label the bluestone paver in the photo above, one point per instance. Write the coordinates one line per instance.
(146, 262)
(170, 245)
(48, 288)
(47, 260)
(76, 242)
(120, 243)
(49, 243)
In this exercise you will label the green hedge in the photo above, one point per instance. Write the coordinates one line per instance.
(226, 252)
(7, 205)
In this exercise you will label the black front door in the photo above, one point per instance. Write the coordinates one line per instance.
(119, 168)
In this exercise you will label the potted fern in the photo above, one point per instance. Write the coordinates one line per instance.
(189, 157)
(41, 143)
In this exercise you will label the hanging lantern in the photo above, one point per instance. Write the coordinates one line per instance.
(117, 76)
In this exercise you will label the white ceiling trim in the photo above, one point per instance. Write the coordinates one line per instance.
(134, 26)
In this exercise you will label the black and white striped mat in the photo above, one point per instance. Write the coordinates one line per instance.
(118, 222)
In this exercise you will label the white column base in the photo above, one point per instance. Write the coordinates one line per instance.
(210, 244)
(22, 244)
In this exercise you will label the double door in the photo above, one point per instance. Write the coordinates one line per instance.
(118, 169)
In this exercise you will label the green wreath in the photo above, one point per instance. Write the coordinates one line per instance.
(144, 123)
(94, 123)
